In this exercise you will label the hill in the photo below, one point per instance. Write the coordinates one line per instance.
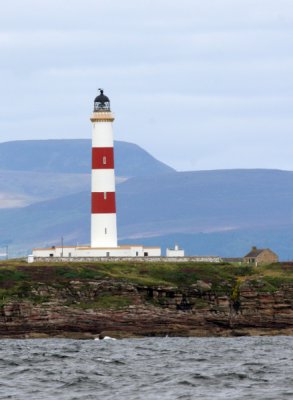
(207, 212)
(73, 156)
(36, 170)
(234, 243)
(205, 201)
(21, 188)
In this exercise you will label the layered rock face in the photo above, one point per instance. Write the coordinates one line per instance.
(89, 309)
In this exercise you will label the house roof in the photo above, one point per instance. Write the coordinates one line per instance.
(255, 252)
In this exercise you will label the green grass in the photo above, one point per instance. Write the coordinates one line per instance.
(21, 290)
(17, 278)
(11, 275)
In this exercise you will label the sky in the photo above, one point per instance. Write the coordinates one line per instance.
(199, 84)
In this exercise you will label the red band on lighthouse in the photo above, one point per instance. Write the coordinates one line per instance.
(102, 158)
(103, 203)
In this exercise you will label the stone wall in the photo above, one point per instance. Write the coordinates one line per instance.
(266, 257)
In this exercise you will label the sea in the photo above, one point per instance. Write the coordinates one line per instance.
(168, 368)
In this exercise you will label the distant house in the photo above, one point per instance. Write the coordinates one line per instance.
(260, 256)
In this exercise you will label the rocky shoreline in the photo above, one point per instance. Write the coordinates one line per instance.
(110, 307)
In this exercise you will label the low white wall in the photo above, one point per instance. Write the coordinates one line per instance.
(207, 259)
(82, 252)
(174, 253)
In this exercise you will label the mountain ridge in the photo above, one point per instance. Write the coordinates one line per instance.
(36, 170)
(74, 156)
(229, 209)
(221, 212)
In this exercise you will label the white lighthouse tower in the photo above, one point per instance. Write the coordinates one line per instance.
(103, 214)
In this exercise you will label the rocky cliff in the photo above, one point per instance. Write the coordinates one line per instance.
(51, 301)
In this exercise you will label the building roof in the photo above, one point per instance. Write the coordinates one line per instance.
(255, 252)
(98, 248)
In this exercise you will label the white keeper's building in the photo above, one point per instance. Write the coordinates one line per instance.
(104, 241)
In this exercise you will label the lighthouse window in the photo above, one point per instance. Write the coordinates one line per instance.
(105, 195)
(104, 160)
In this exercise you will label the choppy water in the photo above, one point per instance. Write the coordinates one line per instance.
(152, 368)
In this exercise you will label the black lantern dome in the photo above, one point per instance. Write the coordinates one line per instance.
(102, 102)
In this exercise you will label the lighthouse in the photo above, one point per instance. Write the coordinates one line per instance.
(103, 244)
(103, 200)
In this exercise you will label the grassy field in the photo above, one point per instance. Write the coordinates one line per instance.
(18, 280)
(152, 274)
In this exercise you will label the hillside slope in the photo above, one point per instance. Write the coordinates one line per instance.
(31, 187)
(36, 170)
(205, 201)
(208, 212)
(74, 156)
